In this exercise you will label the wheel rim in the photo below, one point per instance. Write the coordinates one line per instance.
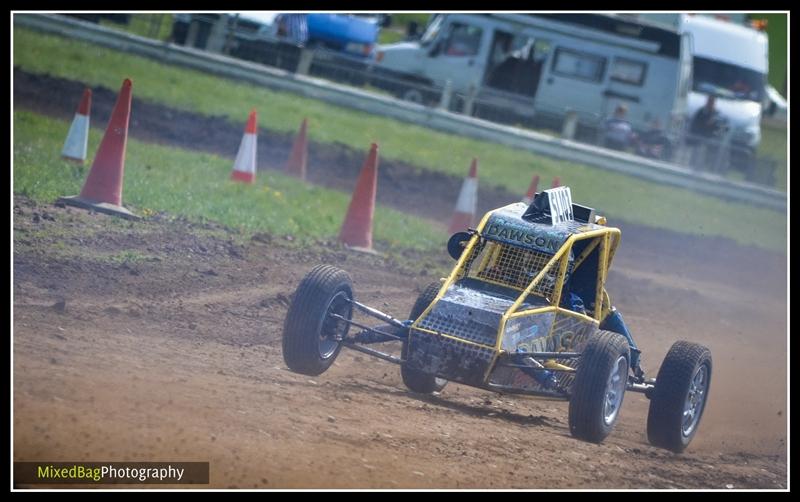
(413, 95)
(615, 390)
(333, 330)
(695, 399)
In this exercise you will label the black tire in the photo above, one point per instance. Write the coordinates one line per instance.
(308, 344)
(668, 401)
(416, 380)
(412, 96)
(589, 417)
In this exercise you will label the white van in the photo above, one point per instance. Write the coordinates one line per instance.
(547, 66)
(730, 62)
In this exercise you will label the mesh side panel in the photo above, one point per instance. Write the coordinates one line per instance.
(467, 350)
(512, 266)
(464, 329)
(448, 358)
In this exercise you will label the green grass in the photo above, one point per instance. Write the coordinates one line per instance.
(774, 140)
(390, 36)
(157, 26)
(778, 46)
(403, 19)
(617, 196)
(159, 178)
(397, 31)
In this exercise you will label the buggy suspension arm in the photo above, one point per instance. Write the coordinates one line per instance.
(382, 336)
(371, 352)
(379, 315)
(393, 330)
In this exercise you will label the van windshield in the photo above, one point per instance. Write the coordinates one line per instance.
(727, 81)
(432, 30)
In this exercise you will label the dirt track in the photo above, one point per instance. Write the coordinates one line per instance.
(175, 354)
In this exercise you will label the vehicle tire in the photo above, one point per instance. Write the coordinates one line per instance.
(418, 381)
(412, 96)
(679, 398)
(599, 387)
(309, 335)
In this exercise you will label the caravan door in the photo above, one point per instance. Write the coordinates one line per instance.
(574, 81)
(459, 54)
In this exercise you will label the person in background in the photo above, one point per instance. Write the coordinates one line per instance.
(618, 132)
(293, 27)
(706, 122)
(653, 143)
(705, 130)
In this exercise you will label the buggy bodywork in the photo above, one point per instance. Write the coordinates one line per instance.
(524, 308)
(499, 320)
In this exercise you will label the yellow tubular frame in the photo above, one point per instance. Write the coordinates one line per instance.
(462, 260)
(608, 246)
(605, 233)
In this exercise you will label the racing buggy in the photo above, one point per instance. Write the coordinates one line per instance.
(524, 311)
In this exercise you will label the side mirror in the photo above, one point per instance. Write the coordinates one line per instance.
(457, 243)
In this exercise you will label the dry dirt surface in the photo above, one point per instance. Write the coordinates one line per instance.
(161, 340)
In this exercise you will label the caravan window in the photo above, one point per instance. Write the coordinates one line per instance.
(579, 65)
(464, 40)
(628, 71)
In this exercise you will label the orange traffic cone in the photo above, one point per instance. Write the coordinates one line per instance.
(296, 166)
(467, 201)
(556, 182)
(531, 190)
(357, 227)
(102, 190)
(244, 167)
(78, 136)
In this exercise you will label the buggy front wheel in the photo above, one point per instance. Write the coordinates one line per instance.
(679, 398)
(312, 332)
(599, 388)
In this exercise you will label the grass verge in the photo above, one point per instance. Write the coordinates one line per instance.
(774, 141)
(617, 196)
(159, 178)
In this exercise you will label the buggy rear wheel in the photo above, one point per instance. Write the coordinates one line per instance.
(416, 380)
(679, 398)
(311, 335)
(599, 389)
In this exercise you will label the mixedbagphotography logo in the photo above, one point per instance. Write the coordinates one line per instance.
(32, 473)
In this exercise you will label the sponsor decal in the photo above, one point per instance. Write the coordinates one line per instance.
(509, 234)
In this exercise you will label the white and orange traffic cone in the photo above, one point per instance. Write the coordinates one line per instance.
(356, 230)
(244, 167)
(531, 190)
(78, 136)
(467, 203)
(102, 190)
